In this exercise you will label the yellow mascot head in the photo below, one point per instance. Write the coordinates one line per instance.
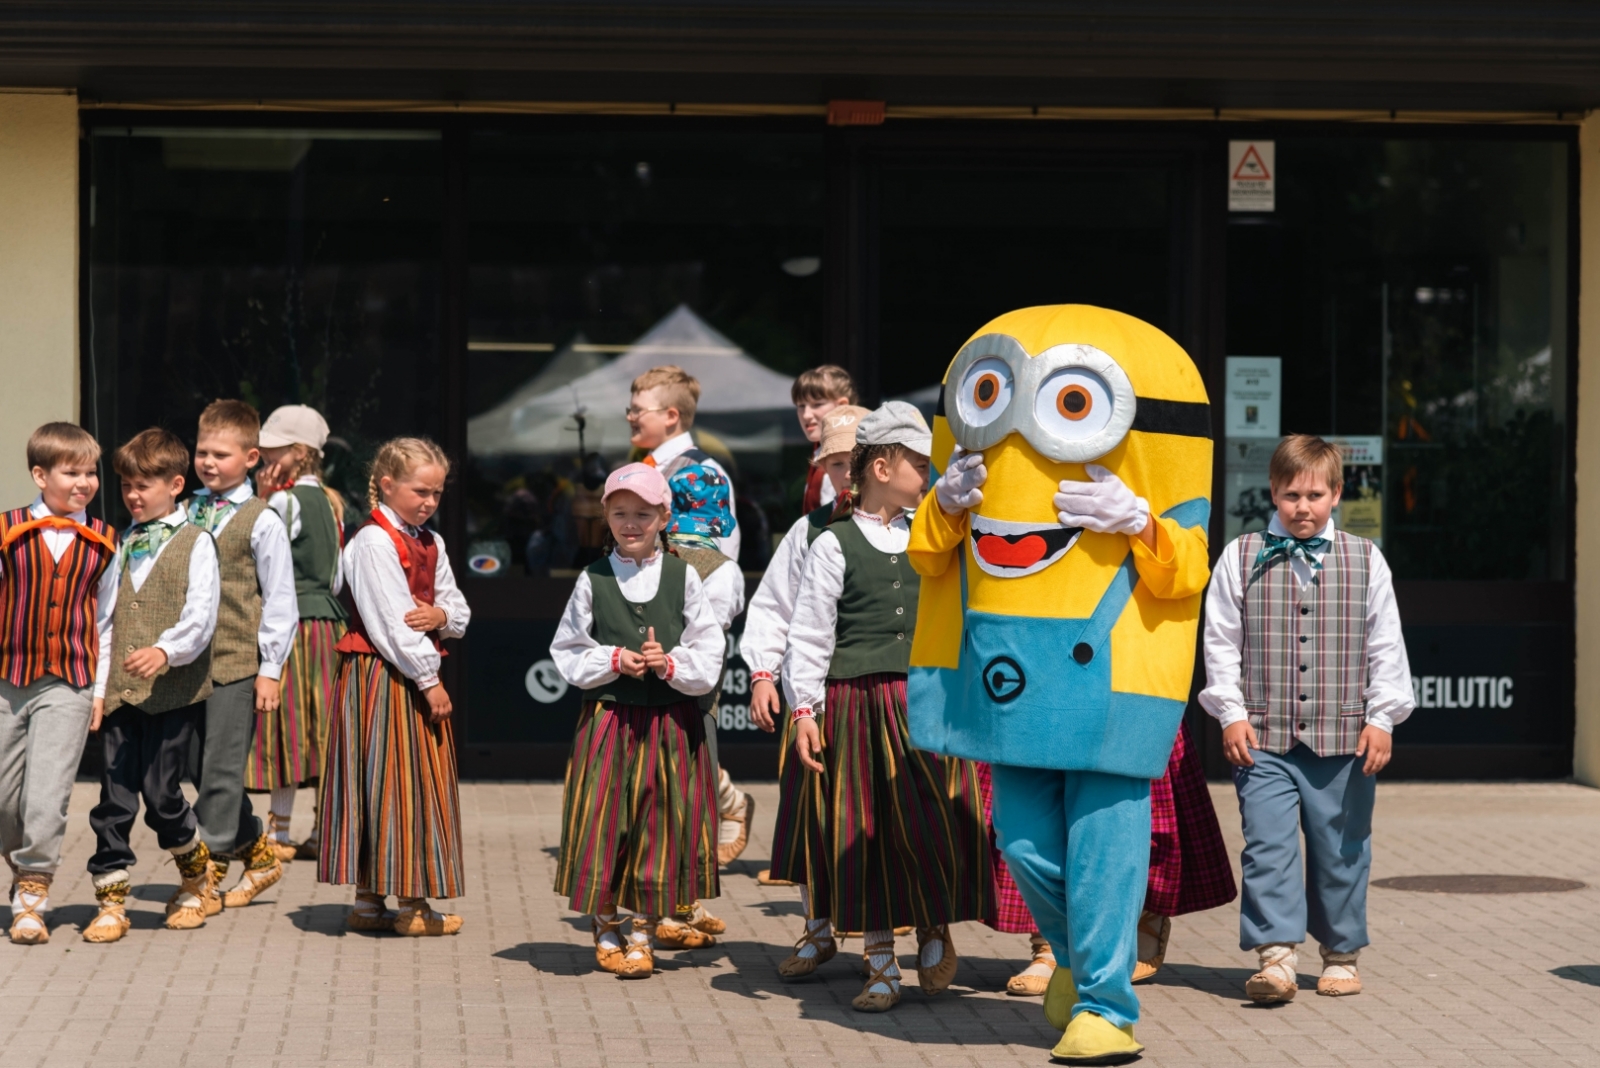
(1039, 643)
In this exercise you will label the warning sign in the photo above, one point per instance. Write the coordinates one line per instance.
(1252, 171)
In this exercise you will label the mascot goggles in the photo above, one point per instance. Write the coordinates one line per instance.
(1072, 403)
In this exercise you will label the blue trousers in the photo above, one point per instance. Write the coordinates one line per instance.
(1078, 845)
(1331, 801)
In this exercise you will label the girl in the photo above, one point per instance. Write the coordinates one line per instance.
(391, 820)
(288, 745)
(887, 834)
(638, 828)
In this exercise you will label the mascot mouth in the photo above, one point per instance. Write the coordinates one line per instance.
(1011, 550)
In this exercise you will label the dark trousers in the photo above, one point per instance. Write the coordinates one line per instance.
(217, 758)
(145, 756)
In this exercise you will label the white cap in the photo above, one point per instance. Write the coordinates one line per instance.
(896, 423)
(294, 424)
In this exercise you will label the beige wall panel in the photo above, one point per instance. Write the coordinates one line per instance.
(38, 275)
(1586, 750)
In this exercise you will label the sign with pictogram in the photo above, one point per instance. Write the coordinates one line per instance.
(1252, 175)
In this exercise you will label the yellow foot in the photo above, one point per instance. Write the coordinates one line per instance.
(1092, 1039)
(1059, 997)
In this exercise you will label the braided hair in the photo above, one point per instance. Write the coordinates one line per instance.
(397, 458)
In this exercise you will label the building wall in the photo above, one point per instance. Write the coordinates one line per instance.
(38, 274)
(1586, 744)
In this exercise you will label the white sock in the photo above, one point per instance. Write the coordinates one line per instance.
(818, 929)
(932, 953)
(1338, 965)
(730, 800)
(638, 940)
(884, 959)
(609, 939)
(1039, 967)
(110, 878)
(21, 899)
(188, 847)
(1281, 960)
(283, 808)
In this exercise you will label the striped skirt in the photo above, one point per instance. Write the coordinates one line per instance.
(639, 814)
(1009, 912)
(890, 835)
(391, 816)
(288, 744)
(1189, 868)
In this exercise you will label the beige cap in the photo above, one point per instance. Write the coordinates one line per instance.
(897, 423)
(294, 424)
(839, 429)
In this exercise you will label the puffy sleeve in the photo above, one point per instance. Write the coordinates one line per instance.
(1223, 641)
(447, 595)
(724, 589)
(1389, 695)
(581, 660)
(766, 623)
(378, 584)
(811, 632)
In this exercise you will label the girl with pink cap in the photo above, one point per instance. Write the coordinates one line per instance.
(639, 825)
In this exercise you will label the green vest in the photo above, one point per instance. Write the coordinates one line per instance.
(877, 610)
(817, 521)
(236, 647)
(139, 620)
(619, 621)
(316, 553)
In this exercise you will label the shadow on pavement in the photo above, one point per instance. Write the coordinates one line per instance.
(77, 917)
(1579, 973)
(1225, 983)
(328, 918)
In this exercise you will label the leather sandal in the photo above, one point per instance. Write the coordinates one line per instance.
(1158, 927)
(36, 933)
(1025, 985)
(194, 900)
(798, 967)
(937, 979)
(729, 851)
(282, 848)
(109, 925)
(416, 920)
(370, 914)
(638, 958)
(609, 958)
(675, 934)
(870, 1000)
(253, 882)
(764, 878)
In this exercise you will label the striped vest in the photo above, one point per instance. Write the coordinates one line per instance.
(142, 616)
(47, 606)
(1305, 651)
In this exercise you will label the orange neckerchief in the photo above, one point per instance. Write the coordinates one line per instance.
(57, 522)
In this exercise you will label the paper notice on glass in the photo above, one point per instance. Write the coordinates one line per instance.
(1360, 511)
(1254, 396)
(1252, 175)
(1246, 491)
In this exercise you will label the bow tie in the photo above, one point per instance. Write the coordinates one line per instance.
(146, 539)
(1289, 548)
(206, 510)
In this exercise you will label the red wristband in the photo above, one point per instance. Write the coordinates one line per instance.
(761, 676)
(804, 713)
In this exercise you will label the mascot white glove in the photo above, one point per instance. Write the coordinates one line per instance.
(1105, 505)
(959, 488)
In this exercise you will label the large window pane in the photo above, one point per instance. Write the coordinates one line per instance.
(278, 266)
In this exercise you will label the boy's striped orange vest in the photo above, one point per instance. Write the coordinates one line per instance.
(47, 606)
(1305, 650)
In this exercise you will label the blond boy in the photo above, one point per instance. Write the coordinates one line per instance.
(660, 415)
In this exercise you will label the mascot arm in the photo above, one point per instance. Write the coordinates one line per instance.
(1178, 566)
(935, 538)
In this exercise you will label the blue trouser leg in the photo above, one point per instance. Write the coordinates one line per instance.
(1078, 845)
(1331, 800)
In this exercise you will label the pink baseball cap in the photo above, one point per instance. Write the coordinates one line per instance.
(641, 479)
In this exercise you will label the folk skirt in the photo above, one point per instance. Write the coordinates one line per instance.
(639, 814)
(1009, 913)
(288, 744)
(1189, 868)
(391, 813)
(889, 835)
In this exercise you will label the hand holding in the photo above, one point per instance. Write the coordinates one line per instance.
(630, 663)
(655, 657)
(425, 618)
(808, 743)
(1237, 741)
(1377, 745)
(960, 487)
(1105, 504)
(439, 707)
(145, 663)
(764, 705)
(269, 693)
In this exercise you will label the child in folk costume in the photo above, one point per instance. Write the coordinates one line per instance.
(640, 638)
(168, 592)
(389, 807)
(1306, 670)
(58, 586)
(288, 746)
(816, 392)
(892, 835)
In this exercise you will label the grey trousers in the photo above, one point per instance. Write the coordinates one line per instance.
(216, 767)
(1331, 801)
(42, 730)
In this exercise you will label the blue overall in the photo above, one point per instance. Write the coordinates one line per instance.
(1072, 763)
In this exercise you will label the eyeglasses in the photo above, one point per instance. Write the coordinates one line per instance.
(633, 413)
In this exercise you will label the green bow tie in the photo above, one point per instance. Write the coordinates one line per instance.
(206, 511)
(146, 539)
(1289, 548)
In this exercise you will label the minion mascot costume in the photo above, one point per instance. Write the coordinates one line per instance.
(1064, 556)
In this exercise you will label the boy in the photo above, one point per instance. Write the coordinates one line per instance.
(256, 624)
(817, 392)
(165, 614)
(660, 415)
(57, 587)
(1307, 674)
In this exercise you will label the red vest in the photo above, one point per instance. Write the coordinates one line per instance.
(419, 557)
(47, 606)
(812, 498)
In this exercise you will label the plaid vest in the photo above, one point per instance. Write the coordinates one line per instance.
(1305, 651)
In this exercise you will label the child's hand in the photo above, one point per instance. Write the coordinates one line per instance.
(655, 657)
(145, 663)
(808, 743)
(1237, 741)
(269, 479)
(425, 618)
(268, 694)
(764, 705)
(439, 707)
(1377, 745)
(630, 663)
(97, 716)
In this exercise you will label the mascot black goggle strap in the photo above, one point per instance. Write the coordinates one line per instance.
(1072, 403)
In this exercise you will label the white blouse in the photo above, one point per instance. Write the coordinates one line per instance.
(816, 610)
(377, 582)
(766, 625)
(694, 665)
(724, 589)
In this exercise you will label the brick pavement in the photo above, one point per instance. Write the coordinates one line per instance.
(1451, 980)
